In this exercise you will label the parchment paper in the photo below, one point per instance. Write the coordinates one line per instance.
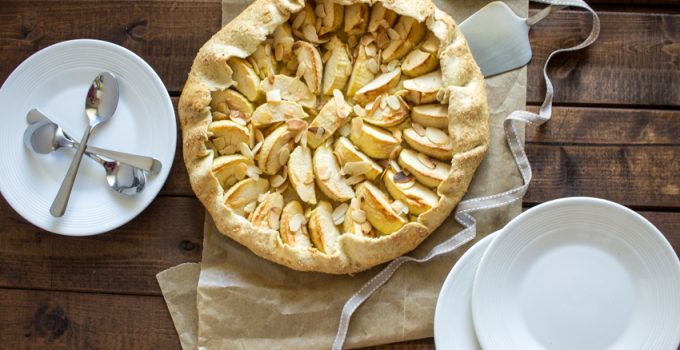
(245, 302)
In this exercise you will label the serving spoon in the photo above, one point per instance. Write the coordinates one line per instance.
(44, 136)
(100, 104)
(55, 137)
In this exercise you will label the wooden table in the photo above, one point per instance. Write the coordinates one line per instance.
(615, 134)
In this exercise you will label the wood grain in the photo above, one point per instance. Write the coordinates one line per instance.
(635, 64)
(65, 320)
(125, 260)
(631, 175)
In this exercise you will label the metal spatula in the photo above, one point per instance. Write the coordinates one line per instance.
(499, 39)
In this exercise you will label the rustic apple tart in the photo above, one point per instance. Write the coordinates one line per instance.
(333, 136)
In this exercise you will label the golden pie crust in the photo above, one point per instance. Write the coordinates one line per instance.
(297, 241)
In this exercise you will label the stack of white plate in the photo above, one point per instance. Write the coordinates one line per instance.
(575, 273)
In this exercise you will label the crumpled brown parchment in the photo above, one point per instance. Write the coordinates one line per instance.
(236, 300)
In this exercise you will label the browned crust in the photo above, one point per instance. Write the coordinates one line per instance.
(468, 127)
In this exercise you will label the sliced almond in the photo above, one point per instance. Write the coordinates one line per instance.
(339, 213)
(296, 124)
(283, 156)
(359, 216)
(419, 129)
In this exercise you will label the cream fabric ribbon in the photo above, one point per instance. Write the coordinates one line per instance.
(464, 208)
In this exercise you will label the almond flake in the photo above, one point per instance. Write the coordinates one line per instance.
(339, 213)
(373, 66)
(319, 11)
(371, 50)
(250, 207)
(317, 131)
(277, 180)
(426, 161)
(354, 204)
(296, 124)
(309, 32)
(299, 20)
(353, 180)
(301, 69)
(282, 188)
(366, 39)
(239, 121)
(278, 52)
(419, 129)
(303, 139)
(383, 68)
(339, 99)
(274, 220)
(359, 111)
(345, 130)
(383, 102)
(262, 196)
(393, 102)
(274, 95)
(437, 136)
(245, 150)
(253, 172)
(392, 65)
(395, 152)
(257, 148)
(366, 227)
(399, 207)
(295, 223)
(323, 172)
(401, 177)
(397, 134)
(393, 34)
(283, 156)
(356, 168)
(359, 216)
(259, 137)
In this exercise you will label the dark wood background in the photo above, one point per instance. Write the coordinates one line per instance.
(615, 134)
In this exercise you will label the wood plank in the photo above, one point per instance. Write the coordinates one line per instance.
(607, 126)
(632, 64)
(126, 260)
(58, 320)
(642, 176)
(168, 35)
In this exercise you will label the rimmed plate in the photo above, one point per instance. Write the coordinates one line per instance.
(55, 80)
(453, 326)
(578, 273)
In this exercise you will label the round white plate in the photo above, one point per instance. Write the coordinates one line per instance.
(453, 326)
(578, 273)
(55, 80)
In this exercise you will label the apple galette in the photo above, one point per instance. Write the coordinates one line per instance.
(333, 136)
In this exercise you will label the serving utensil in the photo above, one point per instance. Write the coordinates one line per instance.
(499, 39)
(100, 104)
(44, 136)
(56, 137)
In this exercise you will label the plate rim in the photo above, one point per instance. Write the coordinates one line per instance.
(166, 100)
(457, 268)
(658, 237)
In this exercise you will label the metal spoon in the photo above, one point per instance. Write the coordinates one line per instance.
(123, 178)
(100, 104)
(52, 137)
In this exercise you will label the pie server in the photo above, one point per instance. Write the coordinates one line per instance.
(499, 39)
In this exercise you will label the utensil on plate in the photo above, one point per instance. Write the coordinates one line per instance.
(499, 39)
(54, 137)
(100, 104)
(41, 137)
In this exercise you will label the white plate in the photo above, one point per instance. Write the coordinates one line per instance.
(453, 326)
(55, 80)
(578, 273)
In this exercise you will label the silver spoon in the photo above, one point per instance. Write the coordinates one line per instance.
(53, 137)
(123, 178)
(100, 104)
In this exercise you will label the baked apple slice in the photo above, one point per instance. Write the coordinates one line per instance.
(431, 141)
(404, 188)
(423, 89)
(247, 81)
(387, 110)
(327, 175)
(291, 89)
(274, 112)
(268, 159)
(356, 18)
(322, 230)
(346, 152)
(379, 211)
(293, 226)
(419, 62)
(381, 84)
(332, 116)
(226, 135)
(226, 101)
(374, 141)
(310, 64)
(268, 212)
(433, 115)
(338, 67)
(301, 174)
(426, 170)
(230, 169)
(243, 193)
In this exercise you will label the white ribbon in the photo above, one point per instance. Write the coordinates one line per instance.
(464, 208)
